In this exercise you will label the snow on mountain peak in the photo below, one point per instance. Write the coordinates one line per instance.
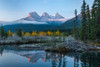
(33, 16)
(58, 16)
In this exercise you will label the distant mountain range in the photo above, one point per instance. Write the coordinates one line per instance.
(34, 22)
(33, 16)
(42, 26)
(69, 23)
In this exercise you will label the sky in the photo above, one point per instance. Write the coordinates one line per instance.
(11, 10)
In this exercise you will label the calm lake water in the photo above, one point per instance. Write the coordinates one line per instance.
(15, 57)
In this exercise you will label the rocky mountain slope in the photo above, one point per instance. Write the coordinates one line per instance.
(33, 16)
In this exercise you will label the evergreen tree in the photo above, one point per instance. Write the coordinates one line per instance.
(95, 28)
(98, 21)
(93, 21)
(83, 34)
(20, 33)
(2, 31)
(88, 21)
(76, 26)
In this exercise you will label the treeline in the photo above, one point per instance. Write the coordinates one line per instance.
(66, 31)
(20, 33)
(90, 29)
(2, 32)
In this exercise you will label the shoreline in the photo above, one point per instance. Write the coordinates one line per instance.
(20, 43)
(50, 44)
(48, 48)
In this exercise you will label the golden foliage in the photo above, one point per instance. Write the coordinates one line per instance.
(27, 34)
(9, 33)
(22, 33)
(12, 34)
(41, 33)
(49, 33)
(57, 33)
(34, 33)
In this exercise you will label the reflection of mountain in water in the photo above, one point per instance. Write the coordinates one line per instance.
(46, 57)
(60, 60)
(34, 57)
(85, 59)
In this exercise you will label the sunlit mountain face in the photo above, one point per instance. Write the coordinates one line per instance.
(33, 16)
(54, 13)
(11, 10)
(31, 25)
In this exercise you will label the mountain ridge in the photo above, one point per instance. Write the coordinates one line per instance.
(33, 16)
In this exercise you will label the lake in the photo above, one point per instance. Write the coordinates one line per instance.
(12, 56)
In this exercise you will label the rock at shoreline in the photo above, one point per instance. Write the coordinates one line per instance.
(76, 45)
(16, 38)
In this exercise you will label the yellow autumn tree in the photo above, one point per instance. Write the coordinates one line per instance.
(41, 33)
(45, 33)
(12, 34)
(9, 33)
(57, 33)
(27, 34)
(49, 33)
(34, 33)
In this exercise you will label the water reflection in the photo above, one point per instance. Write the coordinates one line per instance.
(86, 59)
(90, 59)
(1, 50)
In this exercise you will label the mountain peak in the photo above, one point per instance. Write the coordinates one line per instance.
(32, 13)
(56, 13)
(58, 16)
(45, 14)
(33, 16)
(29, 14)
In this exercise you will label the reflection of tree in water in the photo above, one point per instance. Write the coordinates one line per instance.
(53, 63)
(53, 57)
(1, 50)
(59, 59)
(90, 60)
(76, 60)
(64, 62)
(56, 59)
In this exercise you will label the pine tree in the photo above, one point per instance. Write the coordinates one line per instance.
(93, 21)
(76, 26)
(20, 33)
(83, 34)
(98, 20)
(88, 21)
(2, 31)
(95, 28)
